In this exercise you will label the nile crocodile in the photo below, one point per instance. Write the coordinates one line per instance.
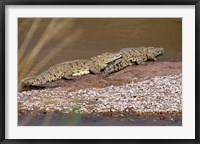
(71, 69)
(133, 56)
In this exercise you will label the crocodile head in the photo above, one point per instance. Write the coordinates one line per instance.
(158, 51)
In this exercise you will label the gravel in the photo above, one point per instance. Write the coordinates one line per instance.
(157, 94)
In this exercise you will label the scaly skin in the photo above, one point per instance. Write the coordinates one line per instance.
(63, 70)
(100, 62)
(133, 56)
(71, 69)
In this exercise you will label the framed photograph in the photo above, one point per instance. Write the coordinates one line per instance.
(123, 71)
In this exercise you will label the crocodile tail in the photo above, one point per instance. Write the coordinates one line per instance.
(27, 82)
(38, 80)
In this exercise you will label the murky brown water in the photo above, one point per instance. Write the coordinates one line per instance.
(71, 39)
(57, 119)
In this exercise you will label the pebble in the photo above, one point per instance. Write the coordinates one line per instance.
(157, 94)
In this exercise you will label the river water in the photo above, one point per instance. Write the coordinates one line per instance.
(82, 38)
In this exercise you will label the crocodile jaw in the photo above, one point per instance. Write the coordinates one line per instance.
(159, 51)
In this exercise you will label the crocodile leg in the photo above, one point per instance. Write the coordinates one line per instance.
(68, 76)
(139, 61)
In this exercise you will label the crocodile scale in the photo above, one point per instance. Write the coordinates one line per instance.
(71, 69)
(133, 56)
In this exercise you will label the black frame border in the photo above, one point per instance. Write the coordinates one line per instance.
(3, 4)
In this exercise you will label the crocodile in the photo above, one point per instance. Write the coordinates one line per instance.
(132, 56)
(71, 69)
